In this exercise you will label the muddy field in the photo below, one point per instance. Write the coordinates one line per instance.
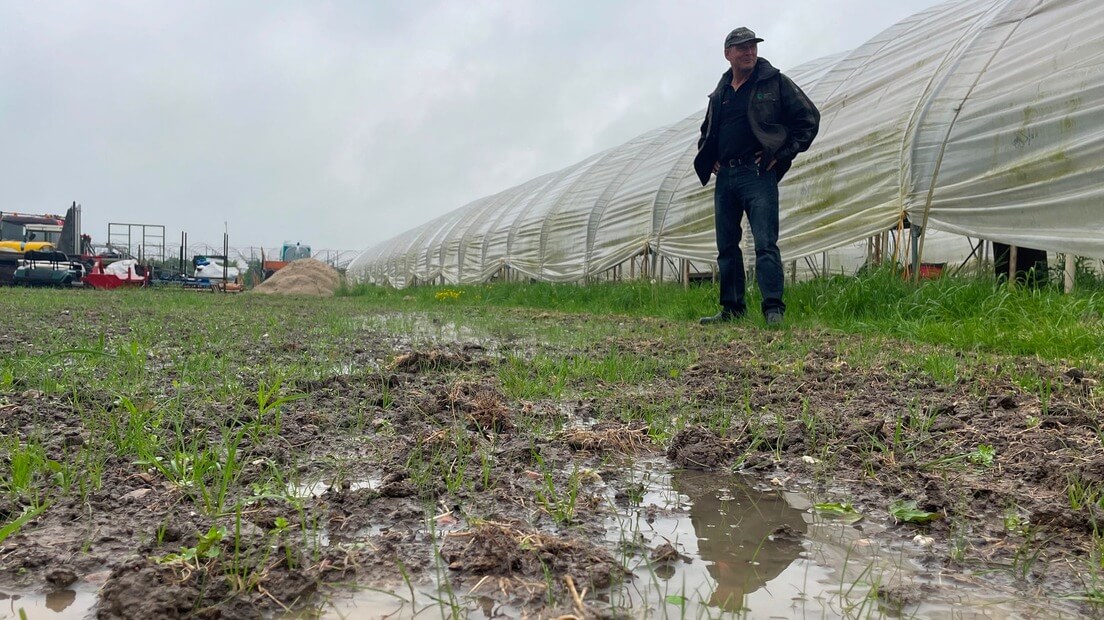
(252, 457)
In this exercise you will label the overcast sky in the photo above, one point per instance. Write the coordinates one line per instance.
(342, 124)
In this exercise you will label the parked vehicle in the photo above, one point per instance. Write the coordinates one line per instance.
(48, 268)
(290, 252)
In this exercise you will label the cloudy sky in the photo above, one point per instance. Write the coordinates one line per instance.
(342, 124)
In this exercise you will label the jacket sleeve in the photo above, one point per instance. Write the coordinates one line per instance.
(802, 120)
(705, 124)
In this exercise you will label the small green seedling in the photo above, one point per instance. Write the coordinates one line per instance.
(841, 511)
(206, 548)
(907, 512)
(982, 455)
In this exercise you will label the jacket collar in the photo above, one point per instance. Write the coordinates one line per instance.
(763, 70)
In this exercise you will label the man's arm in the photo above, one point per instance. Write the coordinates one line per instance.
(705, 131)
(802, 119)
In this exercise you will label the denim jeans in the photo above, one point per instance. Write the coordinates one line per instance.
(739, 190)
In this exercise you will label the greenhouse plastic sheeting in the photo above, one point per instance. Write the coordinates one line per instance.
(981, 118)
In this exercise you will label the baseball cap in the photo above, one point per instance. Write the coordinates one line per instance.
(740, 35)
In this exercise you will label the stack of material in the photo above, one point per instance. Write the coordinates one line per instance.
(305, 276)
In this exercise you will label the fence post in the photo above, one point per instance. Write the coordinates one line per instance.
(1071, 271)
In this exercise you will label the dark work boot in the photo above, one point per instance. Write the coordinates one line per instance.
(724, 316)
(774, 318)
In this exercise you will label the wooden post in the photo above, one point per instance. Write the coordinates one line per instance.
(1071, 271)
(1012, 266)
(685, 274)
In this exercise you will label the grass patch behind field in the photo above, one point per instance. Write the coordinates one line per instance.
(969, 314)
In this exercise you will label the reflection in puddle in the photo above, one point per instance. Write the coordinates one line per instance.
(738, 548)
(64, 604)
(764, 554)
(60, 600)
(745, 538)
(317, 488)
(424, 327)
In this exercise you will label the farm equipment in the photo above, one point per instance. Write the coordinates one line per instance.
(23, 228)
(47, 268)
(119, 274)
(288, 253)
(36, 249)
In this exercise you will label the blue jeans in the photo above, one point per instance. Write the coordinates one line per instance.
(739, 190)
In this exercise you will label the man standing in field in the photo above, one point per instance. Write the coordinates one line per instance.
(757, 121)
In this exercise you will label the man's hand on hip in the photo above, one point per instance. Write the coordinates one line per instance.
(759, 157)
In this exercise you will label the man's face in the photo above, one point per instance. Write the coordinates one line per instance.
(743, 57)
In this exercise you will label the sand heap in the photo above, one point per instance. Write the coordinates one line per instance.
(305, 276)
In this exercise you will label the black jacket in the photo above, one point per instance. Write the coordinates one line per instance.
(782, 118)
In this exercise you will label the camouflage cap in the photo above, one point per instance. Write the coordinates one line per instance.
(740, 35)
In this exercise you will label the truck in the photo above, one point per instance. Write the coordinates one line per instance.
(20, 229)
(289, 252)
(31, 245)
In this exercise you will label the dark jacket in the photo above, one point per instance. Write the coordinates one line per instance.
(782, 118)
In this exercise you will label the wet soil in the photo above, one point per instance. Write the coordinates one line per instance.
(422, 468)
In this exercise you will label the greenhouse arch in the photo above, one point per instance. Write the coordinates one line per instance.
(976, 118)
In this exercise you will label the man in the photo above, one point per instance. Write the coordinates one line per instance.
(756, 123)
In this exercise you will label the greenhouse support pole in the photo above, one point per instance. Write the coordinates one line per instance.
(1012, 266)
(1071, 266)
(685, 274)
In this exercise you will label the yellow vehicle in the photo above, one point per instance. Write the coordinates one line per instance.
(21, 234)
(24, 246)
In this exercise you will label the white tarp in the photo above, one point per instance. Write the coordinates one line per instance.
(983, 118)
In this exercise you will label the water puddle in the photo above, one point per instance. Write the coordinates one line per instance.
(708, 545)
(316, 488)
(766, 554)
(62, 604)
(424, 328)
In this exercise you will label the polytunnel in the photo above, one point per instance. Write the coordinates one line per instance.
(976, 118)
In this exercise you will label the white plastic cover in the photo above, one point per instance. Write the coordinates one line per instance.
(125, 269)
(213, 270)
(982, 118)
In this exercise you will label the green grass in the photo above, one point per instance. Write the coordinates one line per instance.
(964, 313)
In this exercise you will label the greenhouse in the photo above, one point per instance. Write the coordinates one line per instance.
(976, 120)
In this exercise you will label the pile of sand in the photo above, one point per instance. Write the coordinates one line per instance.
(305, 276)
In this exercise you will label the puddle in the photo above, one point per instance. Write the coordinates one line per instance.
(320, 534)
(63, 604)
(317, 488)
(765, 554)
(746, 553)
(423, 327)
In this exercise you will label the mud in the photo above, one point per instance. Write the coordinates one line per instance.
(424, 471)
